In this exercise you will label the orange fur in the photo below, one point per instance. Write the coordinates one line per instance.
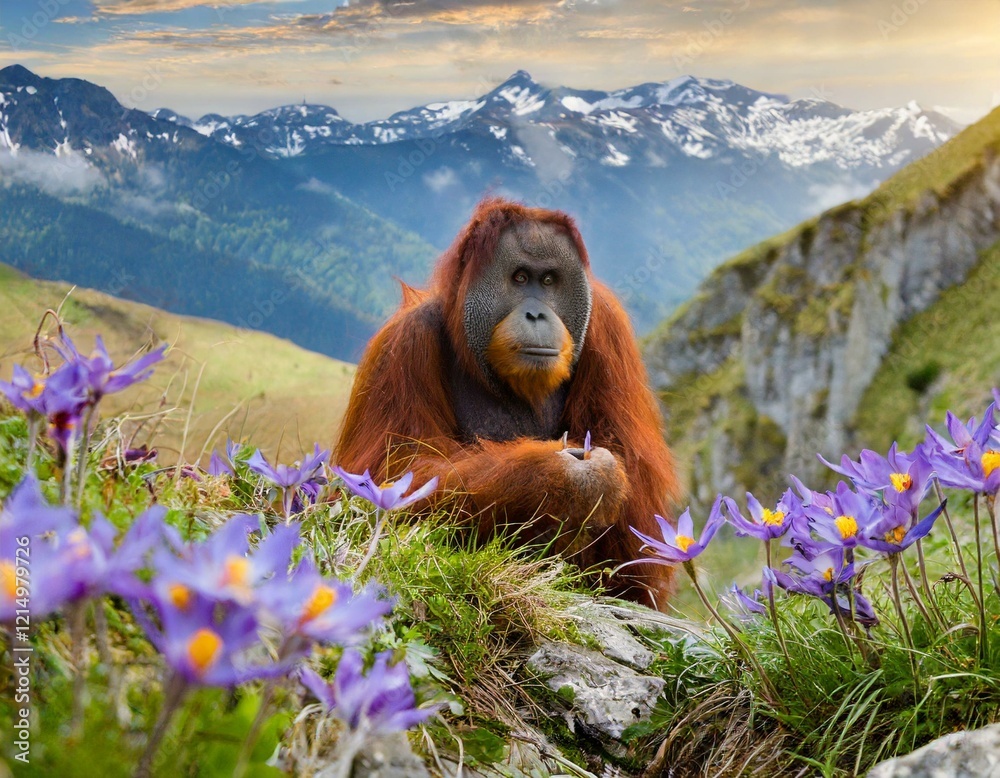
(530, 383)
(401, 417)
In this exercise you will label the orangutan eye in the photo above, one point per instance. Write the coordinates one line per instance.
(520, 277)
(548, 279)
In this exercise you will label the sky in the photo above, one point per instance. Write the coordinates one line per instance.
(370, 58)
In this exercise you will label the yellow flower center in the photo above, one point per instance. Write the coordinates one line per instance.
(847, 526)
(774, 518)
(236, 570)
(78, 545)
(684, 542)
(203, 649)
(8, 580)
(36, 389)
(828, 574)
(896, 535)
(901, 481)
(180, 596)
(991, 461)
(323, 597)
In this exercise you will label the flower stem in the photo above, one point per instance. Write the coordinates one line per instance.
(347, 751)
(267, 694)
(861, 641)
(373, 545)
(66, 487)
(917, 599)
(928, 591)
(33, 424)
(991, 510)
(78, 634)
(104, 652)
(83, 456)
(984, 635)
(777, 624)
(951, 529)
(911, 651)
(741, 647)
(176, 689)
(848, 642)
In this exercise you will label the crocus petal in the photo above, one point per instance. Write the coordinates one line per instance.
(320, 689)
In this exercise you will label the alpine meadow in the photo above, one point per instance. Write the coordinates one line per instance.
(429, 389)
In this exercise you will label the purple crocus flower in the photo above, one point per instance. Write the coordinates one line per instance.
(62, 401)
(216, 466)
(818, 575)
(748, 606)
(899, 478)
(85, 563)
(24, 391)
(308, 605)
(894, 532)
(971, 459)
(863, 613)
(219, 466)
(27, 512)
(764, 524)
(307, 477)
(100, 377)
(222, 568)
(389, 496)
(678, 546)
(380, 702)
(826, 577)
(848, 515)
(70, 563)
(206, 645)
(25, 517)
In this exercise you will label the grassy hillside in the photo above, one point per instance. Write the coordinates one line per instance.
(251, 384)
(946, 357)
(56, 240)
(940, 359)
(940, 172)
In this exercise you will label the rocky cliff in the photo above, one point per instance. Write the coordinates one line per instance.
(768, 364)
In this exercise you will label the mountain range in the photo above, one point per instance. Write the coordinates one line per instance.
(665, 179)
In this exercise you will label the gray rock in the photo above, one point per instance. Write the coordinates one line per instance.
(614, 639)
(865, 271)
(600, 693)
(974, 754)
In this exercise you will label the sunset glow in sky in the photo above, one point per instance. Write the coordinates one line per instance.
(371, 58)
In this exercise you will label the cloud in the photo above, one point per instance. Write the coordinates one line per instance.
(141, 7)
(65, 174)
(316, 186)
(440, 179)
(826, 196)
(373, 57)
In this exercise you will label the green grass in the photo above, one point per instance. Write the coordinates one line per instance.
(467, 614)
(940, 359)
(251, 384)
